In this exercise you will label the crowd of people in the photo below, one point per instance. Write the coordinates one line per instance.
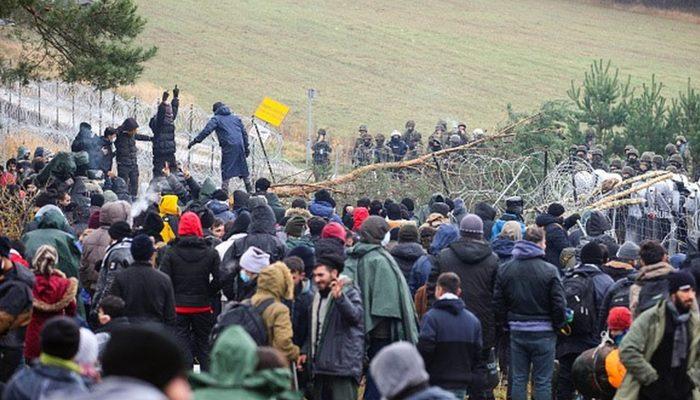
(207, 294)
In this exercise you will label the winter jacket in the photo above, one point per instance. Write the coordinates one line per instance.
(221, 210)
(96, 243)
(301, 311)
(445, 235)
(164, 128)
(596, 227)
(324, 210)
(105, 160)
(43, 382)
(557, 239)
(15, 305)
(122, 388)
(232, 372)
(385, 295)
(617, 269)
(86, 141)
(126, 151)
(52, 230)
(618, 295)
(274, 202)
(648, 274)
(640, 343)
(232, 138)
(60, 168)
(503, 249)
(147, 292)
(451, 344)
(193, 268)
(406, 254)
(487, 215)
(275, 282)
(498, 225)
(476, 265)
(261, 234)
(117, 258)
(54, 295)
(528, 288)
(341, 345)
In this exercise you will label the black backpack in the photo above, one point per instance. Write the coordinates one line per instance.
(580, 298)
(247, 316)
(651, 293)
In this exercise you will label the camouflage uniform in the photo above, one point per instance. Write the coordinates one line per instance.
(413, 139)
(364, 153)
(597, 159)
(362, 130)
(321, 157)
(382, 152)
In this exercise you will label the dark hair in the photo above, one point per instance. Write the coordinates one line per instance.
(299, 203)
(270, 358)
(10, 161)
(450, 282)
(218, 222)
(109, 131)
(363, 202)
(113, 306)
(651, 252)
(534, 234)
(60, 195)
(45, 198)
(294, 263)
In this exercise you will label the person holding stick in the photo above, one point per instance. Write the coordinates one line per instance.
(233, 140)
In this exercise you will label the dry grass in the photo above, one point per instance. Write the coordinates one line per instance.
(27, 139)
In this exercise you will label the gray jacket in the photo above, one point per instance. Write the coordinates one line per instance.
(121, 388)
(341, 346)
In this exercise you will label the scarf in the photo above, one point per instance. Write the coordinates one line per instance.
(680, 334)
(53, 361)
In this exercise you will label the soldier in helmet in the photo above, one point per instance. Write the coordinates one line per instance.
(364, 153)
(645, 162)
(462, 132)
(382, 153)
(616, 165)
(397, 146)
(657, 162)
(321, 156)
(582, 152)
(411, 134)
(434, 143)
(633, 158)
(627, 172)
(676, 161)
(684, 150)
(440, 133)
(358, 141)
(597, 159)
(455, 140)
(477, 134)
(572, 150)
(627, 149)
(670, 149)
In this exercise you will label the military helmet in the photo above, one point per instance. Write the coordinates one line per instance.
(582, 148)
(439, 127)
(672, 168)
(596, 152)
(462, 124)
(411, 124)
(362, 128)
(379, 137)
(322, 132)
(395, 133)
(676, 158)
(573, 148)
(657, 159)
(646, 157)
(627, 170)
(628, 148)
(634, 151)
(616, 163)
(366, 136)
(671, 149)
(681, 138)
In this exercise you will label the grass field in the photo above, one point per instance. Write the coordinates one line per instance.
(383, 62)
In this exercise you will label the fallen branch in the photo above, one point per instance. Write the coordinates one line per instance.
(629, 191)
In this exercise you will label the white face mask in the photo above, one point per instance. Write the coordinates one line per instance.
(386, 239)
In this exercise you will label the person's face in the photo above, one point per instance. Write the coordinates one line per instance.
(678, 143)
(297, 277)
(349, 241)
(102, 317)
(112, 138)
(64, 201)
(643, 166)
(323, 277)
(12, 167)
(462, 129)
(580, 154)
(218, 231)
(684, 299)
(631, 157)
(178, 389)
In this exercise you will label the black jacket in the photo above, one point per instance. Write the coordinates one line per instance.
(487, 215)
(106, 154)
(190, 262)
(163, 127)
(126, 151)
(451, 345)
(406, 254)
(476, 265)
(147, 292)
(15, 304)
(557, 240)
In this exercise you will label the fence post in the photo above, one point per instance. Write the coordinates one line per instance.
(99, 124)
(72, 109)
(39, 104)
(114, 106)
(57, 98)
(19, 102)
(8, 111)
(133, 110)
(211, 163)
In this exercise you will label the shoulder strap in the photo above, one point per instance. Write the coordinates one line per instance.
(260, 308)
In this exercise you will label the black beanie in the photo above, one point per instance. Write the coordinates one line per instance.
(119, 230)
(680, 280)
(262, 184)
(60, 337)
(299, 203)
(219, 194)
(330, 254)
(393, 211)
(5, 247)
(440, 208)
(324, 195)
(591, 253)
(307, 255)
(240, 199)
(142, 248)
(206, 217)
(555, 210)
(153, 224)
(147, 353)
(97, 200)
(410, 205)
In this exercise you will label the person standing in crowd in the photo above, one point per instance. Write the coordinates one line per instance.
(53, 229)
(660, 350)
(106, 154)
(397, 146)
(408, 250)
(321, 156)
(557, 239)
(241, 283)
(233, 140)
(389, 314)
(650, 284)
(514, 212)
(126, 154)
(147, 292)
(336, 344)
(529, 298)
(16, 283)
(193, 268)
(163, 128)
(450, 340)
(624, 262)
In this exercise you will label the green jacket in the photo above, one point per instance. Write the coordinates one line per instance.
(52, 230)
(62, 167)
(208, 188)
(232, 374)
(385, 293)
(639, 345)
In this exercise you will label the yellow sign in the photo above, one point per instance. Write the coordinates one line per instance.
(271, 111)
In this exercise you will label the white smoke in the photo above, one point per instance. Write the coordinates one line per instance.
(149, 195)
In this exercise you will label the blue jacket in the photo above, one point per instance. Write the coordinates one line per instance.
(557, 239)
(450, 343)
(498, 225)
(43, 381)
(325, 210)
(445, 235)
(503, 249)
(233, 140)
(221, 210)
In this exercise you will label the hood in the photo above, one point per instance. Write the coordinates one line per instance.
(223, 110)
(217, 206)
(503, 247)
(276, 280)
(525, 249)
(262, 220)
(53, 219)
(485, 211)
(436, 197)
(597, 224)
(43, 210)
(168, 205)
(361, 249)
(321, 209)
(208, 188)
(359, 216)
(233, 358)
(545, 219)
(190, 225)
(241, 223)
(301, 212)
(407, 251)
(119, 185)
(653, 271)
(23, 275)
(445, 235)
(114, 212)
(471, 251)
(453, 306)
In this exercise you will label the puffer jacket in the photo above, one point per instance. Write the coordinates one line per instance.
(221, 210)
(275, 282)
(117, 258)
(96, 243)
(325, 210)
(164, 128)
(557, 240)
(406, 254)
(53, 230)
(125, 148)
(476, 265)
(487, 215)
(503, 249)
(44, 382)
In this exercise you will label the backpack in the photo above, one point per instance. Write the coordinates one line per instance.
(580, 298)
(650, 294)
(621, 298)
(247, 316)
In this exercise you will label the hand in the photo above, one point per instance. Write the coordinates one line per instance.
(337, 289)
(176, 92)
(247, 152)
(186, 173)
(166, 169)
(301, 361)
(110, 174)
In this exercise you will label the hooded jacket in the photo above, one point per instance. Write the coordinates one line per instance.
(406, 254)
(275, 282)
(221, 210)
(170, 212)
(96, 243)
(52, 230)
(163, 128)
(232, 373)
(647, 275)
(476, 265)
(557, 240)
(325, 210)
(596, 226)
(117, 258)
(503, 249)
(445, 235)
(261, 234)
(487, 215)
(232, 138)
(15, 305)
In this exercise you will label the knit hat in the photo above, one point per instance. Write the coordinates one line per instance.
(316, 225)
(262, 184)
(220, 194)
(45, 259)
(97, 200)
(119, 230)
(398, 367)
(147, 353)
(373, 230)
(60, 337)
(619, 318)
(190, 225)
(555, 210)
(94, 220)
(254, 260)
(512, 230)
(256, 201)
(629, 251)
(471, 225)
(153, 224)
(409, 203)
(88, 348)
(142, 248)
(440, 208)
(408, 233)
(109, 196)
(307, 255)
(393, 211)
(591, 253)
(331, 254)
(333, 230)
(680, 280)
(324, 195)
(295, 226)
(5, 246)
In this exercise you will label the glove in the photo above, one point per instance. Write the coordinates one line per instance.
(192, 143)
(176, 92)
(247, 152)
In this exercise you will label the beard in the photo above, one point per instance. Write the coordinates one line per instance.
(681, 306)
